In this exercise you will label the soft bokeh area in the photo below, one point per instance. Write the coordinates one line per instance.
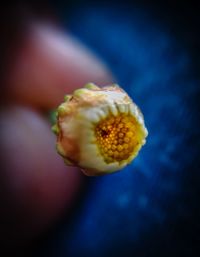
(151, 208)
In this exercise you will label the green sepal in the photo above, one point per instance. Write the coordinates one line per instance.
(55, 129)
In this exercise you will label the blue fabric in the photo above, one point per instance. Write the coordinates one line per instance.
(151, 208)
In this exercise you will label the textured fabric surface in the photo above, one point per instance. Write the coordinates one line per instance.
(151, 208)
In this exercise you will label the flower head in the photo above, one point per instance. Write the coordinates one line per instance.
(99, 130)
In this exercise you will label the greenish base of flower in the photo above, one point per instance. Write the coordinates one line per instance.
(52, 116)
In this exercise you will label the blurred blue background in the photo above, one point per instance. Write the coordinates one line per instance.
(151, 208)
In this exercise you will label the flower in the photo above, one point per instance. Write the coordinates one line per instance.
(99, 130)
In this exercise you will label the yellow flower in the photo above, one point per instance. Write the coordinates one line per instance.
(99, 130)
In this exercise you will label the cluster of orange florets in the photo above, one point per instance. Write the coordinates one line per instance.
(116, 137)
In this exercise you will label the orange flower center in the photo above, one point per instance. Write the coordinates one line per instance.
(117, 137)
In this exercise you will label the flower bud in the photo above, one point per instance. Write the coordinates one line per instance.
(99, 130)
